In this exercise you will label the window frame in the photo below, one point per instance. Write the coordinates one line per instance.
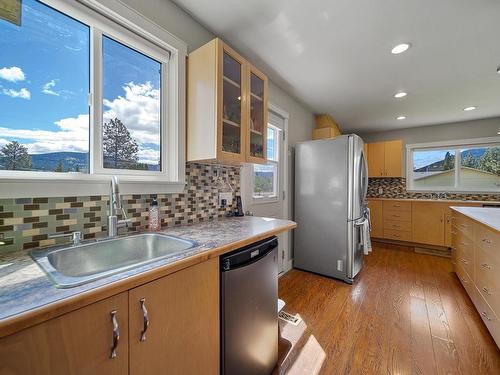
(456, 146)
(130, 28)
(276, 183)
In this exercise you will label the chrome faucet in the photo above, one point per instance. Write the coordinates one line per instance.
(115, 203)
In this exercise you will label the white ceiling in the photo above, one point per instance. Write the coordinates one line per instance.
(334, 55)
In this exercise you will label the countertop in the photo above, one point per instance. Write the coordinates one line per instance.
(28, 297)
(451, 201)
(488, 216)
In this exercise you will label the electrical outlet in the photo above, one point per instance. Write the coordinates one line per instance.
(380, 191)
(225, 198)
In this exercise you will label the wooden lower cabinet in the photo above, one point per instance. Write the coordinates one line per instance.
(477, 262)
(182, 336)
(376, 218)
(428, 222)
(183, 332)
(79, 342)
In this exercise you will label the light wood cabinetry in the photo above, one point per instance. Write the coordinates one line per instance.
(79, 342)
(384, 159)
(476, 262)
(397, 220)
(376, 218)
(226, 107)
(183, 314)
(428, 223)
(179, 314)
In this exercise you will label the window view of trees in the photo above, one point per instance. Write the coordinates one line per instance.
(14, 156)
(119, 148)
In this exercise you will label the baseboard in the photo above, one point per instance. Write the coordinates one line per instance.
(441, 251)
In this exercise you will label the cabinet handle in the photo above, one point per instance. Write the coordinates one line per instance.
(464, 261)
(396, 226)
(396, 235)
(396, 205)
(486, 266)
(485, 316)
(463, 280)
(396, 215)
(488, 241)
(453, 232)
(142, 301)
(486, 290)
(464, 226)
(464, 243)
(116, 334)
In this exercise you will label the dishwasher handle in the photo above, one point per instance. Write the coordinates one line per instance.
(248, 255)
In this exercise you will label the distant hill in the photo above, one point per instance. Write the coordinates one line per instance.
(438, 165)
(72, 161)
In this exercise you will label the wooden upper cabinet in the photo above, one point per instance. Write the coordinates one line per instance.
(226, 106)
(376, 159)
(384, 159)
(428, 222)
(183, 314)
(79, 342)
(393, 151)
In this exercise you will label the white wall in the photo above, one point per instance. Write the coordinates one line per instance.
(435, 133)
(442, 132)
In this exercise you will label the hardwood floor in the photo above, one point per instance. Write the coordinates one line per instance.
(405, 314)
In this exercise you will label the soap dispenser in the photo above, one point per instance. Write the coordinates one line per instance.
(154, 216)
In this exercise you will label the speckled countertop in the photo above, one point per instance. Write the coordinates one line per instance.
(24, 287)
(451, 201)
(484, 215)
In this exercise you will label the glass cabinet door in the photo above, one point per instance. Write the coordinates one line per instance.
(257, 116)
(231, 104)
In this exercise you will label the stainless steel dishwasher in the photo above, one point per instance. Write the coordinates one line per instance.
(249, 297)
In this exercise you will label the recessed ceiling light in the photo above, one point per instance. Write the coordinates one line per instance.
(471, 108)
(498, 70)
(400, 48)
(401, 118)
(400, 94)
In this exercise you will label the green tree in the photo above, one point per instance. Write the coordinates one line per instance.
(77, 168)
(469, 161)
(119, 148)
(490, 161)
(15, 156)
(449, 161)
(59, 167)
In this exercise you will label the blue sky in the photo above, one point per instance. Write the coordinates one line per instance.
(44, 81)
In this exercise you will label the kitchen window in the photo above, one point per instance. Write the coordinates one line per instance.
(468, 166)
(265, 177)
(87, 94)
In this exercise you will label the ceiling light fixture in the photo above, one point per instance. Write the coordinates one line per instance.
(471, 108)
(498, 69)
(401, 118)
(400, 48)
(400, 94)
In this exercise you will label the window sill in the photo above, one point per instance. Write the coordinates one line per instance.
(452, 191)
(264, 200)
(84, 186)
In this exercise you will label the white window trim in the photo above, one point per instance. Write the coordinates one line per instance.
(269, 198)
(461, 143)
(105, 15)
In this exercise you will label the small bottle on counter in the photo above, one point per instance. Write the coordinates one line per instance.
(154, 216)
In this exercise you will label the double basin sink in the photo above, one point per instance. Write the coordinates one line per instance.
(75, 265)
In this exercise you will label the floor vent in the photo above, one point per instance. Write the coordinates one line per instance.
(293, 319)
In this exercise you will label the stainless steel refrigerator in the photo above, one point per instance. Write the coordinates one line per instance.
(331, 182)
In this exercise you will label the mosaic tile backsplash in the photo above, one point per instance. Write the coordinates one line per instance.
(395, 187)
(26, 223)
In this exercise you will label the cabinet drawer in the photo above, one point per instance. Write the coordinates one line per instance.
(465, 280)
(397, 206)
(461, 241)
(487, 240)
(397, 215)
(488, 316)
(466, 261)
(397, 225)
(463, 224)
(399, 235)
(487, 281)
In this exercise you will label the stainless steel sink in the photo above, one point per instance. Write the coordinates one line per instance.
(76, 265)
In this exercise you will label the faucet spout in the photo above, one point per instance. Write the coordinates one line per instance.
(115, 204)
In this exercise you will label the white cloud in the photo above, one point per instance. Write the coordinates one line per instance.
(48, 88)
(23, 93)
(139, 110)
(148, 155)
(72, 135)
(12, 74)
